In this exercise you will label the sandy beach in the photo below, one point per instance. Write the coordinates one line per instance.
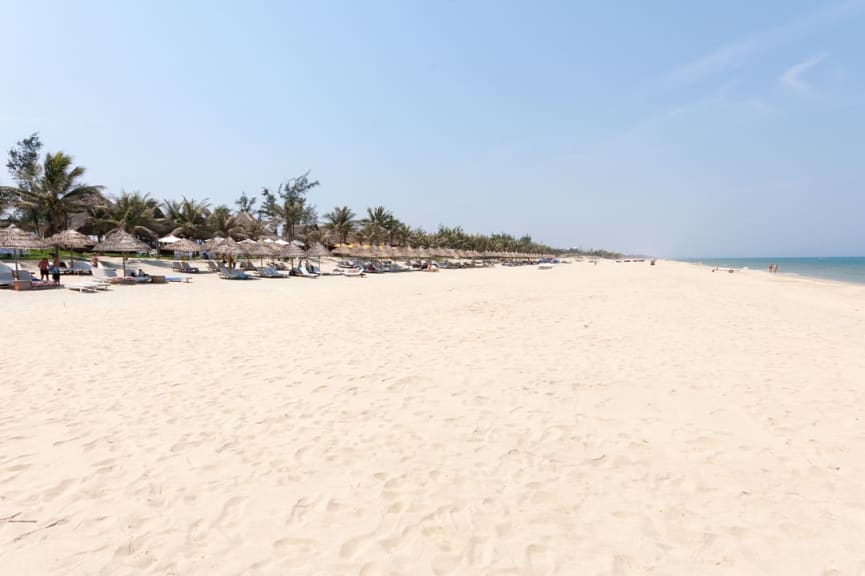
(611, 419)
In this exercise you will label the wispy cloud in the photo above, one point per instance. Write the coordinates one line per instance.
(738, 53)
(793, 76)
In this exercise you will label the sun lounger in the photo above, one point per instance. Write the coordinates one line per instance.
(305, 270)
(26, 281)
(268, 272)
(356, 272)
(91, 286)
(184, 267)
(235, 274)
(6, 277)
(212, 266)
(103, 274)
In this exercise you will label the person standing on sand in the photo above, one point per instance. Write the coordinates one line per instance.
(43, 269)
(55, 271)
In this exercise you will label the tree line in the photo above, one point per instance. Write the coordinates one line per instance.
(50, 195)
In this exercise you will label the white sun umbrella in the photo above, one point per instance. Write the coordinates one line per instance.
(170, 239)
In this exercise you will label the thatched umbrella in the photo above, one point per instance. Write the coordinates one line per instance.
(17, 239)
(292, 251)
(260, 249)
(318, 250)
(212, 243)
(184, 245)
(361, 251)
(70, 239)
(342, 250)
(123, 242)
(227, 247)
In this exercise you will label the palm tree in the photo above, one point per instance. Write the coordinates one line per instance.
(397, 232)
(341, 222)
(223, 223)
(376, 223)
(55, 193)
(187, 217)
(135, 213)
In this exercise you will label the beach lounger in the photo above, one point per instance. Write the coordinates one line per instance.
(91, 286)
(6, 277)
(235, 274)
(103, 274)
(305, 270)
(268, 272)
(212, 266)
(184, 267)
(26, 281)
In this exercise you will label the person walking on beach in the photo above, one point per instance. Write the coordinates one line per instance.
(43, 269)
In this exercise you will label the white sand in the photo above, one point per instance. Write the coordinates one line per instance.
(618, 419)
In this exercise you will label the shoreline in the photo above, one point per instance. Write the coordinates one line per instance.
(725, 263)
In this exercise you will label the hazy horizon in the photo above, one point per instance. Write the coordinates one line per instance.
(671, 129)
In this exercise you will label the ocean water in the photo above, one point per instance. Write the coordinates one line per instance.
(844, 269)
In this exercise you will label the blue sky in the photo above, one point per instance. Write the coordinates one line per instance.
(730, 128)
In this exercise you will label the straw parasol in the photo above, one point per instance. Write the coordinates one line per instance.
(260, 248)
(16, 238)
(70, 239)
(318, 250)
(291, 251)
(226, 247)
(123, 242)
(342, 250)
(184, 245)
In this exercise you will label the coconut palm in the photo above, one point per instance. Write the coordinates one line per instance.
(341, 222)
(135, 213)
(397, 232)
(223, 223)
(186, 217)
(252, 228)
(376, 223)
(56, 192)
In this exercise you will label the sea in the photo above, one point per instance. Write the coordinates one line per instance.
(844, 269)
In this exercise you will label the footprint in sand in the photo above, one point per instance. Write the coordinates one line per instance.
(446, 564)
(539, 560)
(295, 547)
(371, 569)
(351, 547)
